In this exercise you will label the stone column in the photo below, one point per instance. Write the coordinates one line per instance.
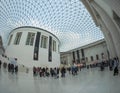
(110, 25)
(114, 5)
(108, 39)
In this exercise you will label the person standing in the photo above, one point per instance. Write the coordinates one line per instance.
(116, 63)
(63, 71)
(57, 72)
(0, 63)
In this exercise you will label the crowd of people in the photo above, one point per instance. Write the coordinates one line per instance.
(11, 67)
(113, 65)
(55, 72)
(46, 72)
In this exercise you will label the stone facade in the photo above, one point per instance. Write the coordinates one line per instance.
(94, 52)
(106, 15)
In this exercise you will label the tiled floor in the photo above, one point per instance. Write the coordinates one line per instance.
(87, 81)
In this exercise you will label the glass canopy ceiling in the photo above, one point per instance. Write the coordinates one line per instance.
(67, 19)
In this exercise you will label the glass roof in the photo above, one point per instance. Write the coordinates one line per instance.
(67, 19)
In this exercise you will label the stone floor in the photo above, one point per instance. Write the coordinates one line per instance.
(87, 81)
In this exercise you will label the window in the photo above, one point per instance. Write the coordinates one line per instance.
(102, 55)
(30, 38)
(44, 41)
(97, 57)
(86, 59)
(91, 58)
(54, 45)
(17, 38)
(10, 39)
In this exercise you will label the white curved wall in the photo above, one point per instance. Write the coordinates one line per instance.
(24, 53)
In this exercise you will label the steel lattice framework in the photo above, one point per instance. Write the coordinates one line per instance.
(67, 19)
